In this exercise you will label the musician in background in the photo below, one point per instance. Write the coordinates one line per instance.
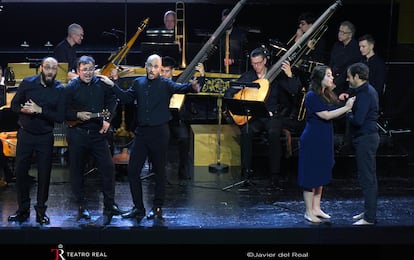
(65, 51)
(179, 123)
(318, 49)
(273, 124)
(344, 53)
(377, 71)
(39, 101)
(86, 97)
(237, 49)
(170, 20)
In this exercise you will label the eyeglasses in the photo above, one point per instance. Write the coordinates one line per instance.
(85, 70)
(343, 32)
(257, 63)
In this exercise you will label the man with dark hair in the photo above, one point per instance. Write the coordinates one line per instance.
(272, 125)
(318, 51)
(39, 102)
(365, 138)
(87, 99)
(376, 65)
(179, 125)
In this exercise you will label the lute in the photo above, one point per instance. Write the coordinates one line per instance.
(105, 114)
(293, 55)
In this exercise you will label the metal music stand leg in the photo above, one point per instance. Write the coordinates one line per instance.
(219, 167)
(246, 108)
(246, 181)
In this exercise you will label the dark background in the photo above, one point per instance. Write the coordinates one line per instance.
(38, 23)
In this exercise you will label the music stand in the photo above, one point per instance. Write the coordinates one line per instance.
(245, 108)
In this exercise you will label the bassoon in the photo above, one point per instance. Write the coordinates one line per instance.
(202, 55)
(293, 55)
(115, 59)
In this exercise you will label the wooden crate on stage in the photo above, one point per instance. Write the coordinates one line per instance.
(204, 146)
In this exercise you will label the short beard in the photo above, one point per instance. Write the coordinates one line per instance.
(48, 82)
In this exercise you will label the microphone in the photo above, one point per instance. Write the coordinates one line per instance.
(105, 33)
(117, 31)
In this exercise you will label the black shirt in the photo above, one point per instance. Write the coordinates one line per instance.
(341, 57)
(64, 52)
(94, 97)
(152, 98)
(376, 72)
(49, 97)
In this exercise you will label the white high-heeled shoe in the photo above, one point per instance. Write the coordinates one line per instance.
(323, 215)
(362, 222)
(358, 217)
(309, 218)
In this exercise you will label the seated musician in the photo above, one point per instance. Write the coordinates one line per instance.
(273, 124)
(179, 124)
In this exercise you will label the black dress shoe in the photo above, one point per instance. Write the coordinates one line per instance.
(42, 219)
(155, 213)
(107, 217)
(19, 216)
(83, 213)
(114, 210)
(134, 213)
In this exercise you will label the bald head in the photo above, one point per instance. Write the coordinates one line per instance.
(153, 66)
(49, 60)
(154, 58)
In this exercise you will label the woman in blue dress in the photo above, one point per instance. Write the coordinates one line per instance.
(316, 147)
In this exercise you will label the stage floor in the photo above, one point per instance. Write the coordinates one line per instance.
(208, 211)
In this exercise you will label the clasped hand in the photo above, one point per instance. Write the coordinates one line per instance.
(31, 107)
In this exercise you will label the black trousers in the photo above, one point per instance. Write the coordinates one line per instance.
(273, 128)
(151, 142)
(181, 132)
(29, 145)
(81, 144)
(7, 173)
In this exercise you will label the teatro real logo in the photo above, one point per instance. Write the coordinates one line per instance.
(60, 253)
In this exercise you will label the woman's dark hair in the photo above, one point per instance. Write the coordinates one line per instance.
(316, 78)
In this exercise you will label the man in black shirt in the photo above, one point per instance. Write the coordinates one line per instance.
(152, 94)
(179, 123)
(65, 51)
(87, 100)
(377, 70)
(285, 82)
(344, 53)
(40, 103)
